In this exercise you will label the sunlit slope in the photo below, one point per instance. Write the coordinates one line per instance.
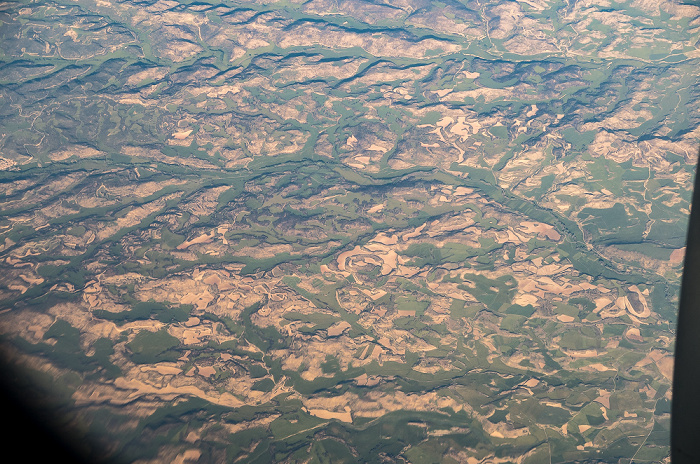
(342, 232)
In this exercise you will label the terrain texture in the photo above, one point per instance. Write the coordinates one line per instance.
(353, 231)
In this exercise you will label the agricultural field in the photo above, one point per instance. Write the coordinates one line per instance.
(357, 231)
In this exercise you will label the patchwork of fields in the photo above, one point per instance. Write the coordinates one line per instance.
(348, 231)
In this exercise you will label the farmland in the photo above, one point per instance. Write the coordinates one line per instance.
(363, 231)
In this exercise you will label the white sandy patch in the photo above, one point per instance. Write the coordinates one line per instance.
(600, 367)
(581, 353)
(338, 328)
(141, 388)
(677, 256)
(182, 135)
(531, 383)
(206, 371)
(188, 456)
(601, 303)
(163, 369)
(204, 238)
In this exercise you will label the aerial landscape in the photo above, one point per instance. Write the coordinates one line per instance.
(347, 231)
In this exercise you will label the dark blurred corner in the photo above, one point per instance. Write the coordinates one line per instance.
(30, 430)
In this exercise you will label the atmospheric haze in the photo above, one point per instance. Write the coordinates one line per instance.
(347, 231)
